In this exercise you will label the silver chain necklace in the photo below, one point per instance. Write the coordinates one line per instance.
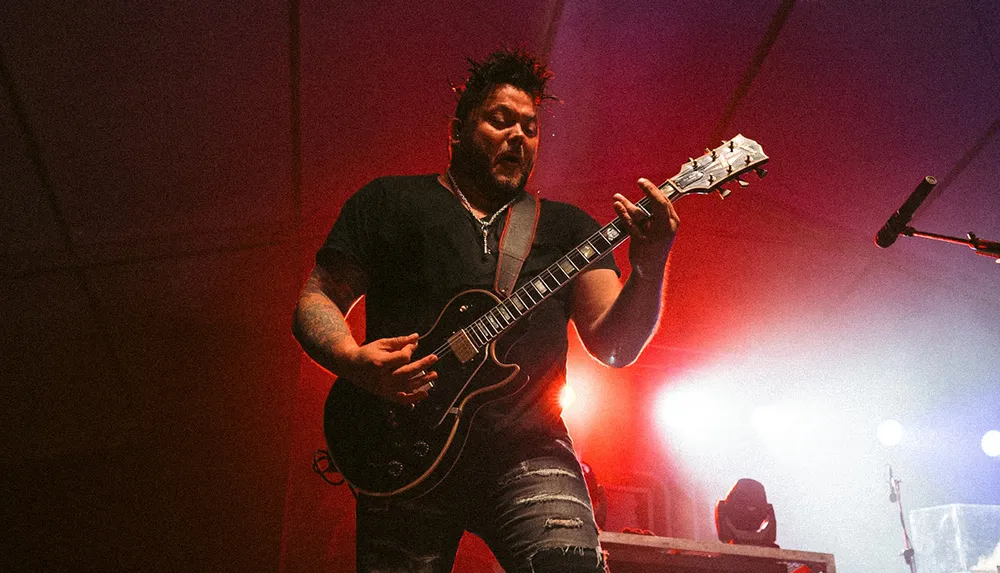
(484, 223)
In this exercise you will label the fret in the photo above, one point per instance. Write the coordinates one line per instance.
(578, 260)
(500, 315)
(493, 322)
(567, 266)
(600, 242)
(533, 295)
(557, 269)
(644, 205)
(512, 309)
(472, 335)
(551, 281)
(483, 333)
(518, 303)
(482, 329)
(525, 295)
(611, 233)
(506, 315)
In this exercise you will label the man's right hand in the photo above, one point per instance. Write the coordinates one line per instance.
(383, 367)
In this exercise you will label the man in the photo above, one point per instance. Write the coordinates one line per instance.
(411, 243)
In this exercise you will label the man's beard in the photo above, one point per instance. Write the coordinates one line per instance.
(477, 165)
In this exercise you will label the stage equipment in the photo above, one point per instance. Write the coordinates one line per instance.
(648, 554)
(745, 517)
(957, 538)
(898, 224)
(894, 497)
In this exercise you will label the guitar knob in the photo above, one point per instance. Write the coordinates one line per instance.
(421, 449)
(395, 468)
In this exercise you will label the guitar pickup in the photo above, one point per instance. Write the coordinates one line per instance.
(462, 346)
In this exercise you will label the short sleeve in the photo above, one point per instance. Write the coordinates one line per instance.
(356, 234)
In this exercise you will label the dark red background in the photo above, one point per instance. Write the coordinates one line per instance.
(160, 213)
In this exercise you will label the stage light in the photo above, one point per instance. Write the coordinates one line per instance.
(745, 517)
(566, 397)
(889, 432)
(991, 443)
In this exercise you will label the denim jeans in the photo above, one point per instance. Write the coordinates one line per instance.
(535, 517)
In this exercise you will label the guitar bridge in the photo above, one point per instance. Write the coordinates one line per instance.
(462, 346)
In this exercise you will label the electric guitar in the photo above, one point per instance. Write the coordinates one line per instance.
(386, 449)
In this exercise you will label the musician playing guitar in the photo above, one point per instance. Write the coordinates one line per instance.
(409, 245)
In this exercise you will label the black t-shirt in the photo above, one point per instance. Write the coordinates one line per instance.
(420, 247)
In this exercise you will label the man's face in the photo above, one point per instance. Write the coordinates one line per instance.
(498, 142)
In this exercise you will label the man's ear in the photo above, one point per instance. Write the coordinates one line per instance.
(455, 131)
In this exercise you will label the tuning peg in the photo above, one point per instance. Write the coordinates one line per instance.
(732, 145)
(742, 183)
(761, 172)
(713, 152)
(724, 192)
(694, 162)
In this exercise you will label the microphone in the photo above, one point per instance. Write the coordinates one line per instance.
(892, 487)
(896, 224)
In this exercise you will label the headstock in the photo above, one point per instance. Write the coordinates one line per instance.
(719, 166)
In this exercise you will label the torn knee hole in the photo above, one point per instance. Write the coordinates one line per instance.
(568, 559)
(568, 523)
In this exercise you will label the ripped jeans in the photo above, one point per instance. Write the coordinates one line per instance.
(536, 517)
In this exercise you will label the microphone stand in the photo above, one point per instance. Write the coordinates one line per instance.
(894, 496)
(982, 247)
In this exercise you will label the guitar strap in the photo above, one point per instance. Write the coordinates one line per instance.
(515, 242)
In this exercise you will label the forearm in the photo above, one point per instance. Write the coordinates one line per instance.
(622, 332)
(321, 329)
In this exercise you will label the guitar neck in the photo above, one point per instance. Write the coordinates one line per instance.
(700, 176)
(500, 318)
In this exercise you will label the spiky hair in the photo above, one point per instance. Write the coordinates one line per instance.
(512, 66)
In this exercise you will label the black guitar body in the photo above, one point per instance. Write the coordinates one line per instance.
(383, 448)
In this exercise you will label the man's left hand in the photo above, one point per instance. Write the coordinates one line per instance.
(651, 235)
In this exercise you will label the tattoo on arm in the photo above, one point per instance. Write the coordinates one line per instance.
(319, 324)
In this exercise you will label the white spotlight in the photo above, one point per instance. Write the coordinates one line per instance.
(991, 443)
(889, 432)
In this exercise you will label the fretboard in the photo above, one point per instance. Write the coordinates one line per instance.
(501, 317)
